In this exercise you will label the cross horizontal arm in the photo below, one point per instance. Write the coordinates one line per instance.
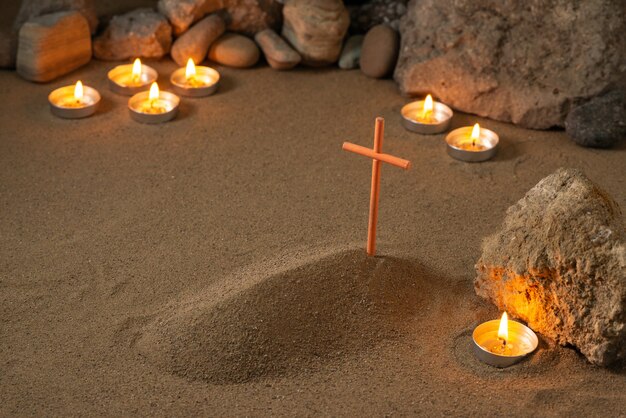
(366, 152)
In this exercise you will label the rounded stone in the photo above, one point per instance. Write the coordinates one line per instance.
(599, 123)
(234, 51)
(379, 52)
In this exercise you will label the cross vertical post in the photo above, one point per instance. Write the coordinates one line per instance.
(379, 129)
(377, 157)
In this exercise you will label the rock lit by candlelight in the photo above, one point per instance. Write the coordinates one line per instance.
(558, 263)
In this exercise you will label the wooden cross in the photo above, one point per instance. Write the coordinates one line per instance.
(378, 157)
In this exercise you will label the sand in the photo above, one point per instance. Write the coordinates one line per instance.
(215, 265)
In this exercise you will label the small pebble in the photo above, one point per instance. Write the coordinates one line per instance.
(234, 51)
(599, 123)
(278, 53)
(351, 53)
(379, 52)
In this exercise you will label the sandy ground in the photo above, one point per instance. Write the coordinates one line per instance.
(214, 265)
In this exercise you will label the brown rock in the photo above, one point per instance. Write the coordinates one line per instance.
(234, 51)
(559, 263)
(53, 45)
(140, 33)
(252, 16)
(183, 13)
(316, 29)
(196, 41)
(510, 61)
(379, 52)
(29, 9)
(279, 55)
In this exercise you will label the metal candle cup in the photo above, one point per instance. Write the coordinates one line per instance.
(143, 109)
(521, 340)
(121, 79)
(64, 104)
(461, 147)
(441, 115)
(205, 82)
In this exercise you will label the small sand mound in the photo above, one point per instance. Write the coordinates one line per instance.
(287, 322)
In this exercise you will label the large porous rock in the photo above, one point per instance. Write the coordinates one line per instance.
(316, 29)
(196, 41)
(559, 263)
(252, 16)
(512, 60)
(377, 12)
(278, 53)
(140, 33)
(53, 45)
(599, 123)
(183, 13)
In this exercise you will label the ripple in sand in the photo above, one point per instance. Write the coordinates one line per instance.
(285, 323)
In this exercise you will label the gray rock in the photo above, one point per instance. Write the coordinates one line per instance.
(377, 12)
(559, 263)
(183, 13)
(252, 16)
(351, 53)
(379, 53)
(599, 123)
(316, 29)
(234, 51)
(509, 60)
(140, 33)
(53, 45)
(196, 41)
(278, 53)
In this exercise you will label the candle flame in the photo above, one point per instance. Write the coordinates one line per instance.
(137, 68)
(503, 330)
(190, 71)
(78, 90)
(154, 91)
(475, 132)
(428, 108)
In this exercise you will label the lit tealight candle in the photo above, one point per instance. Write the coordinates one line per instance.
(132, 78)
(472, 143)
(502, 343)
(153, 106)
(195, 81)
(73, 102)
(426, 116)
